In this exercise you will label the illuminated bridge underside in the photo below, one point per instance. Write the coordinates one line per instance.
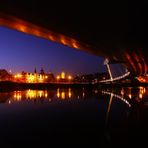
(118, 48)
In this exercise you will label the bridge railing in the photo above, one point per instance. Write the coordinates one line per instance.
(116, 78)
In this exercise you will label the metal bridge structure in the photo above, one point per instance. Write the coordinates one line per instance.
(106, 62)
(113, 31)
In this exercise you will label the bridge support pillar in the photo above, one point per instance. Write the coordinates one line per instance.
(106, 62)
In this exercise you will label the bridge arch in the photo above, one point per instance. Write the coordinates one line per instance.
(134, 59)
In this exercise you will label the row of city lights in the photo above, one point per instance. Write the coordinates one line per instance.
(34, 78)
(31, 78)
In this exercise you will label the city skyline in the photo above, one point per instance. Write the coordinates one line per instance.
(23, 52)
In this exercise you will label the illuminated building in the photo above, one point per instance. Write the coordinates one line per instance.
(33, 77)
(63, 77)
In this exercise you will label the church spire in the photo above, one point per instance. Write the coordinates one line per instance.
(35, 71)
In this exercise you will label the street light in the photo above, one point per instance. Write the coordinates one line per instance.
(58, 77)
(69, 77)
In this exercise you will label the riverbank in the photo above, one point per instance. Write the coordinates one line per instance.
(8, 85)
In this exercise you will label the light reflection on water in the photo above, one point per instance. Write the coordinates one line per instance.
(82, 111)
(123, 94)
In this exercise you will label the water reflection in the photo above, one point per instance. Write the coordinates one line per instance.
(29, 95)
(59, 93)
(76, 111)
(62, 93)
(128, 93)
(117, 96)
(124, 94)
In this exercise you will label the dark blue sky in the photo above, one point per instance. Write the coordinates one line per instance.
(19, 51)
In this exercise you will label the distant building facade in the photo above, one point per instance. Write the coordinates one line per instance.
(35, 77)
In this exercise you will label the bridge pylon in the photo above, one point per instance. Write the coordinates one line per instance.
(106, 62)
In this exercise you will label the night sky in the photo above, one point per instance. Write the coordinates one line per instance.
(22, 52)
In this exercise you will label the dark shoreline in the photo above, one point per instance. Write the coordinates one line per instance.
(8, 85)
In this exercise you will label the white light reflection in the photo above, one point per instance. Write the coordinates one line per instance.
(117, 96)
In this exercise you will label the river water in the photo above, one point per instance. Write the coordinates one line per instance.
(73, 117)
